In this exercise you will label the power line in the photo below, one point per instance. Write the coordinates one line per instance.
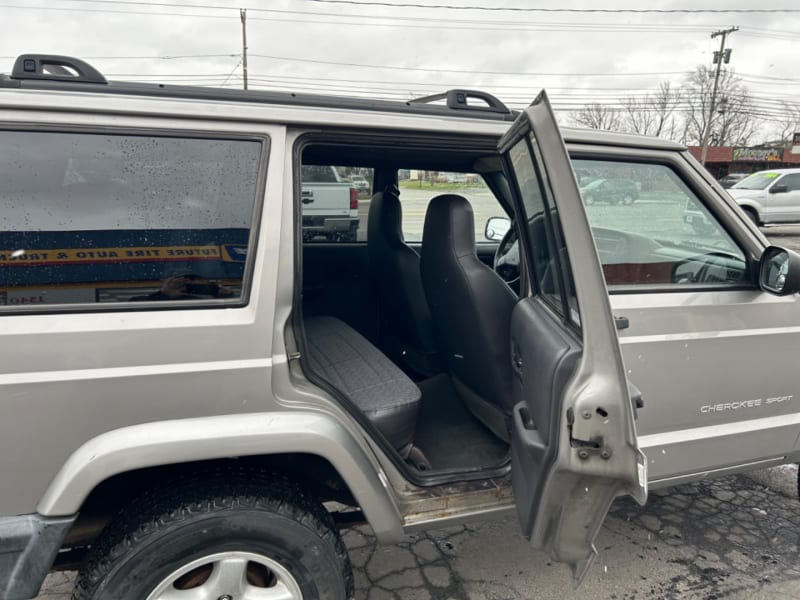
(470, 71)
(565, 10)
(399, 21)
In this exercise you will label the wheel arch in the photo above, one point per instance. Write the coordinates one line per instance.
(311, 447)
(752, 206)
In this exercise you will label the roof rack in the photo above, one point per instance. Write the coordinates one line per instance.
(53, 67)
(55, 72)
(459, 100)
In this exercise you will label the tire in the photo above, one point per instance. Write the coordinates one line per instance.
(627, 199)
(241, 530)
(751, 214)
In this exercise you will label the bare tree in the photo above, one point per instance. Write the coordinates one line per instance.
(653, 114)
(598, 116)
(734, 121)
(789, 123)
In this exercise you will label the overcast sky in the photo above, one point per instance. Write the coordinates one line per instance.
(370, 49)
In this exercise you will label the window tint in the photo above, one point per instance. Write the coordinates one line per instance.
(650, 228)
(551, 274)
(89, 218)
(418, 188)
(335, 203)
(791, 181)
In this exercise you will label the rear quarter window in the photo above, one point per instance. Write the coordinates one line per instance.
(99, 219)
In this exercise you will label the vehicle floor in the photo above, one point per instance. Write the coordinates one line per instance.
(448, 434)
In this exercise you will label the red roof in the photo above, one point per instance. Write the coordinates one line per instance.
(724, 154)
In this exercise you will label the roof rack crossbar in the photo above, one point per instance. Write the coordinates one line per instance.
(459, 99)
(54, 67)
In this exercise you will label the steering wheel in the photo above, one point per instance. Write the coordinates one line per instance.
(707, 264)
(506, 257)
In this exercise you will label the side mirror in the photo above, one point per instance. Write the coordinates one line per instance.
(496, 228)
(779, 189)
(779, 272)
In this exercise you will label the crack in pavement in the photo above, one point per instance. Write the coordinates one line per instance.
(729, 538)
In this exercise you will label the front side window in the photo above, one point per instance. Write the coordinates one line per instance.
(791, 181)
(551, 273)
(105, 218)
(651, 228)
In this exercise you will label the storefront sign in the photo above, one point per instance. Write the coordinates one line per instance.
(758, 154)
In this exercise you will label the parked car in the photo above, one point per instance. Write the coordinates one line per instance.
(613, 191)
(730, 179)
(213, 444)
(771, 196)
(360, 183)
(330, 205)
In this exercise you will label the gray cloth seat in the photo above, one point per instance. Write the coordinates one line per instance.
(350, 363)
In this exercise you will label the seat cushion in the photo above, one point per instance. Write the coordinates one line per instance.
(355, 367)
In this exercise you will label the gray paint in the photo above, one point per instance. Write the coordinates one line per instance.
(88, 391)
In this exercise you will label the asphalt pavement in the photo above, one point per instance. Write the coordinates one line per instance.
(732, 538)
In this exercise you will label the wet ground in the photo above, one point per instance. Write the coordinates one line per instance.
(731, 538)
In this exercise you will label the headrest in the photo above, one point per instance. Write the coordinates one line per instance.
(385, 217)
(449, 226)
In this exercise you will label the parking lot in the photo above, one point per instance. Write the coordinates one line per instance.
(735, 538)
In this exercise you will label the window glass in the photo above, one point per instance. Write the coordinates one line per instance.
(89, 218)
(791, 181)
(757, 181)
(551, 275)
(418, 188)
(650, 228)
(335, 202)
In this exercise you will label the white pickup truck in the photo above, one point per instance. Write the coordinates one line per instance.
(330, 205)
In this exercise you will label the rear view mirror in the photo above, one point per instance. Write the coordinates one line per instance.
(780, 271)
(496, 228)
(779, 189)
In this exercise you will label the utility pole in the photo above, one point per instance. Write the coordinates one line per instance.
(243, 15)
(725, 55)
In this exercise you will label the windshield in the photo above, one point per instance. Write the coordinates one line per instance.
(757, 181)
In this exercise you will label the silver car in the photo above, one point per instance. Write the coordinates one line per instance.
(195, 399)
(769, 197)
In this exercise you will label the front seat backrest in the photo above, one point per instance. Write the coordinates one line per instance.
(406, 333)
(471, 309)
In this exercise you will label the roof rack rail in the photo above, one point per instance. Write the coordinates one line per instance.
(459, 99)
(53, 67)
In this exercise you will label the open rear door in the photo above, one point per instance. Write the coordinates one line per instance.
(574, 446)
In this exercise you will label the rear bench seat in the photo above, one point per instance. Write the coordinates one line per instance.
(360, 371)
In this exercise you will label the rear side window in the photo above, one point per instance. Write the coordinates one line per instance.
(96, 218)
(418, 188)
(335, 202)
